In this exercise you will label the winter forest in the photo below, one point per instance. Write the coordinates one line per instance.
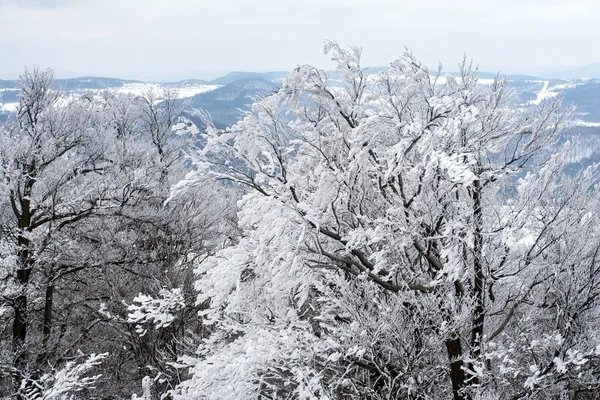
(402, 235)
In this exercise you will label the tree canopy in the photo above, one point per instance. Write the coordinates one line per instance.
(404, 235)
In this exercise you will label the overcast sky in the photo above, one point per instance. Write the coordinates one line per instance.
(175, 39)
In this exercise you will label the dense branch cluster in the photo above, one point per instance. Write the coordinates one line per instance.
(404, 236)
(85, 229)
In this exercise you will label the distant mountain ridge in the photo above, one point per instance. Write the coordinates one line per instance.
(240, 88)
(226, 97)
(7, 84)
(236, 75)
(92, 82)
(84, 82)
(584, 72)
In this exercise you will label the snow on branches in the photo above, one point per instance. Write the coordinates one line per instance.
(401, 233)
(158, 312)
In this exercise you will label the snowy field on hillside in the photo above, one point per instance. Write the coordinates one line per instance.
(182, 91)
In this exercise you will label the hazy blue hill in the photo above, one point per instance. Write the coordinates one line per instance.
(82, 83)
(237, 75)
(586, 71)
(90, 82)
(240, 88)
(510, 77)
(225, 103)
(9, 96)
(7, 84)
(586, 97)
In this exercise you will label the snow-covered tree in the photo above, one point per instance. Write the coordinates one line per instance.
(69, 380)
(86, 226)
(405, 235)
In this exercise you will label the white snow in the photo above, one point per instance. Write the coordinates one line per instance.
(579, 122)
(9, 107)
(181, 92)
(185, 127)
(136, 89)
(543, 94)
(563, 86)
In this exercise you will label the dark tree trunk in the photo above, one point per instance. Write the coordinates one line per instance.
(457, 372)
(23, 273)
(478, 278)
(21, 318)
(20, 306)
(48, 314)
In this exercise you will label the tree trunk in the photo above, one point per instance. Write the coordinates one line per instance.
(457, 373)
(21, 318)
(478, 278)
(23, 273)
(48, 314)
(20, 306)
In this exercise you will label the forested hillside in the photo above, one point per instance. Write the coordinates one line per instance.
(400, 234)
